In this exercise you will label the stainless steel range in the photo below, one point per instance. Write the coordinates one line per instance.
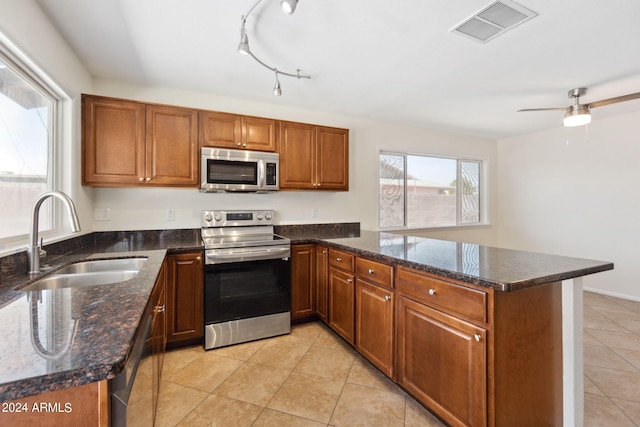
(247, 289)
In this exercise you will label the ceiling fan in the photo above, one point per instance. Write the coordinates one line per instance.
(580, 114)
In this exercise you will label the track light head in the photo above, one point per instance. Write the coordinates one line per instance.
(243, 47)
(289, 6)
(277, 90)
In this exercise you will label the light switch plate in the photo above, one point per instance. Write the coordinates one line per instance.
(102, 214)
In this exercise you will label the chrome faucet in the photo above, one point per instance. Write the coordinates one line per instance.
(33, 250)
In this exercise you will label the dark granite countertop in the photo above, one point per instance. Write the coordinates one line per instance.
(54, 339)
(499, 269)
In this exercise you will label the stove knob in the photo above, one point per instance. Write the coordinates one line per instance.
(259, 217)
(208, 217)
(267, 216)
(217, 217)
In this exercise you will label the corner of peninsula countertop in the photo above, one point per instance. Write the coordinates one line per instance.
(500, 269)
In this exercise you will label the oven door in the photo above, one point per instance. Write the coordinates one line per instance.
(241, 290)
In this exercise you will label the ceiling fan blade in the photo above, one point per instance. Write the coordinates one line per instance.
(543, 109)
(614, 100)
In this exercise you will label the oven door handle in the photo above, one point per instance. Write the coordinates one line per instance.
(214, 256)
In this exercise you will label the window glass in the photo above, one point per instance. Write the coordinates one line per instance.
(26, 136)
(425, 191)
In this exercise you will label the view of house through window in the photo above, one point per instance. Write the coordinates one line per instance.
(25, 143)
(422, 191)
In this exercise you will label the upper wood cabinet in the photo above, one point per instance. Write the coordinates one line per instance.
(127, 143)
(225, 130)
(313, 157)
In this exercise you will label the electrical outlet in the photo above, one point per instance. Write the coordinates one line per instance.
(102, 214)
(171, 214)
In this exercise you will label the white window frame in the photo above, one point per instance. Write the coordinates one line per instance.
(20, 63)
(482, 200)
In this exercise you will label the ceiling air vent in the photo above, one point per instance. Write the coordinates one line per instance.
(493, 20)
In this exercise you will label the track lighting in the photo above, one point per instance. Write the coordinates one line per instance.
(277, 90)
(288, 6)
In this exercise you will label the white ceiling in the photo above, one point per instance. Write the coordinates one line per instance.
(384, 60)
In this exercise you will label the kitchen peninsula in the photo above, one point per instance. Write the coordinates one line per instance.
(502, 308)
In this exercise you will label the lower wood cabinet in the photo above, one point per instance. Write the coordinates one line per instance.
(442, 361)
(322, 282)
(185, 298)
(302, 281)
(158, 337)
(342, 303)
(374, 325)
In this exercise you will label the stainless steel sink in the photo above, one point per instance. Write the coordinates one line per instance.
(90, 273)
(104, 265)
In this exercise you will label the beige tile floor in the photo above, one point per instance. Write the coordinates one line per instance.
(311, 378)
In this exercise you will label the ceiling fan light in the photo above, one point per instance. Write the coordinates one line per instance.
(288, 6)
(577, 116)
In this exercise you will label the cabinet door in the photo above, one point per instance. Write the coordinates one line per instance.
(302, 275)
(297, 155)
(442, 361)
(185, 316)
(172, 146)
(220, 130)
(332, 159)
(322, 282)
(374, 325)
(258, 134)
(113, 141)
(341, 303)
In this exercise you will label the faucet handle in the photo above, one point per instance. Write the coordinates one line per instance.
(42, 252)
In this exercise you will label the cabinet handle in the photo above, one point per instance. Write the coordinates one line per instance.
(387, 297)
(349, 280)
(432, 291)
(371, 271)
(160, 309)
(339, 259)
(477, 337)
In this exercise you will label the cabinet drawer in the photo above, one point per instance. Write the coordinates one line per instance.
(374, 272)
(437, 293)
(342, 260)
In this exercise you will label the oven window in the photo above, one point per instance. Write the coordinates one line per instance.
(246, 289)
(232, 172)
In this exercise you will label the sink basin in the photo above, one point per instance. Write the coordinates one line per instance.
(104, 265)
(90, 273)
(79, 280)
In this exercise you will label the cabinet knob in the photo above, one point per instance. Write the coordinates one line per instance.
(199, 259)
(244, 145)
(371, 271)
(387, 297)
(477, 337)
(148, 179)
(324, 252)
(239, 144)
(339, 259)
(349, 280)
(141, 179)
(432, 291)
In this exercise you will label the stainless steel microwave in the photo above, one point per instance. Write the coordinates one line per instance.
(239, 170)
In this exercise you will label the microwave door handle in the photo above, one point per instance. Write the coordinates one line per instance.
(262, 174)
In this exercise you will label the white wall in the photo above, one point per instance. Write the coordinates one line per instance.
(145, 208)
(574, 192)
(24, 24)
